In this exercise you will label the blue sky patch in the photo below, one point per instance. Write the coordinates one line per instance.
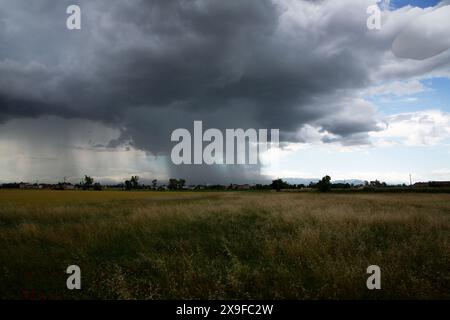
(415, 3)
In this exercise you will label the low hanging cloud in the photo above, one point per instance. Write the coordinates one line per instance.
(149, 67)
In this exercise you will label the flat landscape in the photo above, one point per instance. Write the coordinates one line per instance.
(223, 245)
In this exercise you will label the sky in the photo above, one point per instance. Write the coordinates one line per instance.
(415, 3)
(350, 102)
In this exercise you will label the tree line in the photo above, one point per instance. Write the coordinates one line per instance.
(323, 185)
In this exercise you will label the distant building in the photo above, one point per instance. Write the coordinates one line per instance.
(23, 185)
(64, 186)
(68, 186)
(421, 185)
(241, 186)
(440, 184)
(432, 184)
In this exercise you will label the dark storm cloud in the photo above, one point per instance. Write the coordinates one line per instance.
(149, 67)
(195, 57)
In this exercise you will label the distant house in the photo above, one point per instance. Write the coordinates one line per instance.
(68, 186)
(439, 184)
(421, 185)
(241, 186)
(432, 184)
(23, 185)
(64, 186)
(46, 186)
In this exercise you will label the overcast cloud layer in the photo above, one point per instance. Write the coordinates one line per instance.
(145, 68)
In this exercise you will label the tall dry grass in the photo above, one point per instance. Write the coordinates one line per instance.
(144, 245)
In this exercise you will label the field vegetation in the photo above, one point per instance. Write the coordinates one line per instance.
(223, 245)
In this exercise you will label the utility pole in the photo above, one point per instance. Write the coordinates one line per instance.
(410, 180)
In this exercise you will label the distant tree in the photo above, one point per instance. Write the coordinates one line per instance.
(377, 184)
(128, 185)
(87, 182)
(324, 185)
(154, 183)
(173, 184)
(134, 182)
(279, 184)
(341, 186)
(97, 186)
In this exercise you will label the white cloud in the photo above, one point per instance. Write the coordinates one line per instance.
(428, 127)
(425, 36)
(311, 134)
(397, 88)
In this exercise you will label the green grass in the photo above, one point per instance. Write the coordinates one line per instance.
(239, 245)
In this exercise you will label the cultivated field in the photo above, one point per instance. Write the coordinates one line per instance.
(165, 245)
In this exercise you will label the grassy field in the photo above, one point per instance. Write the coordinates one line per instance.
(237, 245)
